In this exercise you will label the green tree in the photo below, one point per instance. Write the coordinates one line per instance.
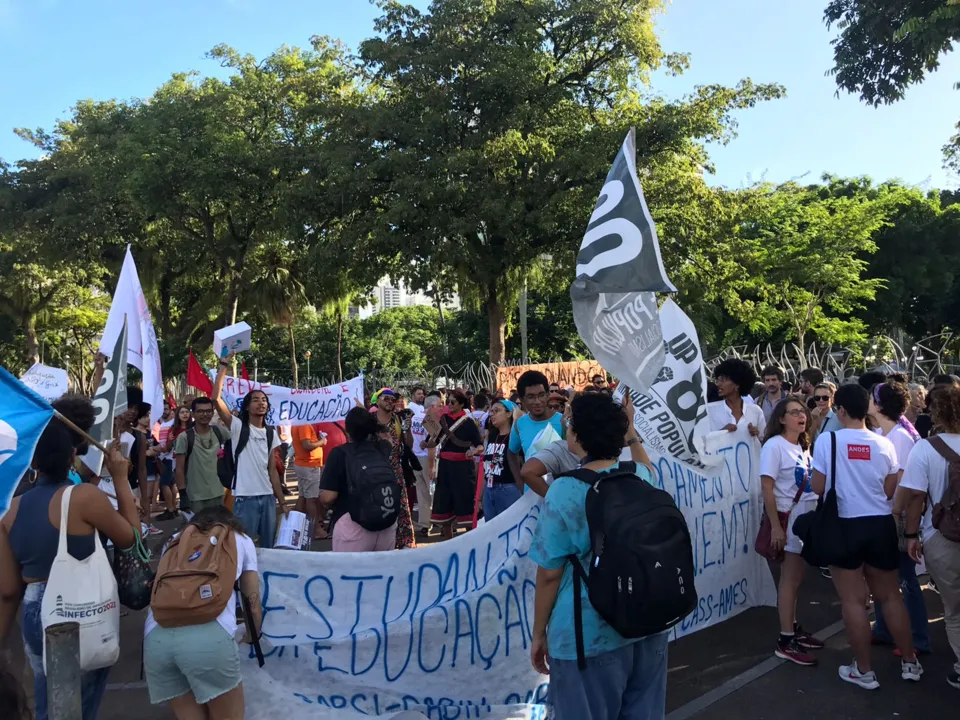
(491, 126)
(795, 261)
(885, 47)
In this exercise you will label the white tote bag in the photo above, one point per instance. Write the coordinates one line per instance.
(85, 592)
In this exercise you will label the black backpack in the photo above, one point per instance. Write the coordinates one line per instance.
(641, 576)
(221, 464)
(373, 494)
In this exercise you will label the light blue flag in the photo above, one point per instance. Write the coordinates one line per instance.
(23, 417)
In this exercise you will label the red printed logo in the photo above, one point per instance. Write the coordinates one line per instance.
(858, 452)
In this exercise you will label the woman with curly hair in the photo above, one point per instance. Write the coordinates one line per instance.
(925, 483)
(734, 379)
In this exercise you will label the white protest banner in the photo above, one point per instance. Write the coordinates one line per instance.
(142, 349)
(722, 506)
(289, 406)
(50, 383)
(676, 403)
(444, 629)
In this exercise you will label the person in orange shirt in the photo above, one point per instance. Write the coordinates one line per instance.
(308, 465)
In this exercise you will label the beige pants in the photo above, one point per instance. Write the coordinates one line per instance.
(424, 498)
(943, 562)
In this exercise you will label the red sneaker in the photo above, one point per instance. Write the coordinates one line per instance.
(794, 653)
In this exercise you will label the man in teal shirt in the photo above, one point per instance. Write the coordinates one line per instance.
(532, 387)
(623, 678)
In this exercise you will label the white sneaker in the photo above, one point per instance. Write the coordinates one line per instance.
(911, 671)
(851, 674)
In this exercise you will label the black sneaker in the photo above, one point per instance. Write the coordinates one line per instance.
(953, 679)
(167, 515)
(826, 573)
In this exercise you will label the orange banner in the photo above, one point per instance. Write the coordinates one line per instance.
(577, 373)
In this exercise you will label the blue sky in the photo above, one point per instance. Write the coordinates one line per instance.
(55, 52)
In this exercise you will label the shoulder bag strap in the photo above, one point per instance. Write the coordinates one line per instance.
(241, 444)
(216, 431)
(833, 460)
(579, 577)
(64, 516)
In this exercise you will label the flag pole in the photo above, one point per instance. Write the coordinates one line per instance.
(73, 426)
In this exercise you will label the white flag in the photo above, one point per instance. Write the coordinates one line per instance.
(142, 350)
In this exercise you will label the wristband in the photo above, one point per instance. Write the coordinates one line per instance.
(911, 536)
(224, 364)
(634, 441)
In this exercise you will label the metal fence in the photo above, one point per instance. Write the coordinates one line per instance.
(919, 360)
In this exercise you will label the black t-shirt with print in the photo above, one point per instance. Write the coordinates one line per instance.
(496, 469)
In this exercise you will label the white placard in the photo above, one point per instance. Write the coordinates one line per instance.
(50, 383)
(233, 338)
(292, 533)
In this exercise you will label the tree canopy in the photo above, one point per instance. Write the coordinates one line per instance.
(461, 149)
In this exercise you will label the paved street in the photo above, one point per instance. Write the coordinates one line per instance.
(721, 672)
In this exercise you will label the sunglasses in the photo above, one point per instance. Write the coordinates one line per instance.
(821, 398)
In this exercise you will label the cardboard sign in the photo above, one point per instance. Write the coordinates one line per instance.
(577, 373)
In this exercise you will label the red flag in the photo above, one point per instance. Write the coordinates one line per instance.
(170, 400)
(197, 377)
(243, 372)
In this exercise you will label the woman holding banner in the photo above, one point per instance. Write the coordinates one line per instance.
(785, 471)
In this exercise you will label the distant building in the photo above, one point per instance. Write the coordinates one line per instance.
(389, 294)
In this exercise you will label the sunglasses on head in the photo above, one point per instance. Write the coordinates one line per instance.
(821, 398)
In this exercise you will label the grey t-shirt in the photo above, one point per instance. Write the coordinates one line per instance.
(558, 459)
(202, 480)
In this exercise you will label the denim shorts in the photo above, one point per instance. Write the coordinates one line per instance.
(203, 659)
(258, 515)
(92, 684)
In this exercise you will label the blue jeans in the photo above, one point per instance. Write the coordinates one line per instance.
(629, 683)
(498, 498)
(916, 608)
(92, 684)
(258, 515)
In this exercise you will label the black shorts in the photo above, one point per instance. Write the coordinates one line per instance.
(870, 540)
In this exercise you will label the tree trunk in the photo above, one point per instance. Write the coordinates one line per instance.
(294, 367)
(29, 326)
(498, 340)
(339, 345)
(443, 327)
(524, 338)
(166, 321)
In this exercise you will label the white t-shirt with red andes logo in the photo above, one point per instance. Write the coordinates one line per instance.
(864, 459)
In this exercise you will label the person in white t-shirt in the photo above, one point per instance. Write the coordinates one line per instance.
(196, 668)
(257, 489)
(785, 471)
(926, 475)
(420, 405)
(888, 401)
(866, 478)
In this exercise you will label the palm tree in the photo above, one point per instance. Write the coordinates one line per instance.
(280, 295)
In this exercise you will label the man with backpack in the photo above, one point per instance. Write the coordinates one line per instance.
(197, 452)
(932, 479)
(615, 573)
(255, 482)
